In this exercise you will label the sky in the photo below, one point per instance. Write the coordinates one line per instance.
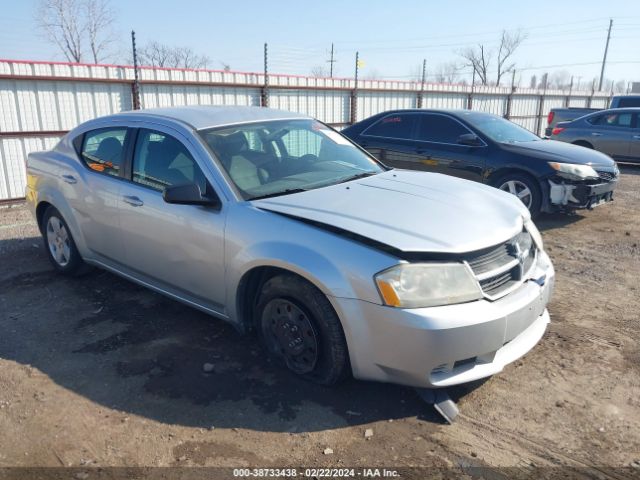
(392, 37)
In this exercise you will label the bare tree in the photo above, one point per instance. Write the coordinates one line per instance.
(533, 83)
(318, 71)
(99, 22)
(509, 43)
(448, 72)
(620, 86)
(560, 79)
(61, 23)
(71, 24)
(481, 56)
(156, 54)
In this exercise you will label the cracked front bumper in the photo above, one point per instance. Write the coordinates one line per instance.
(578, 196)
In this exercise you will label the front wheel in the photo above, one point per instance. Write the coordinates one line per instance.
(297, 325)
(524, 187)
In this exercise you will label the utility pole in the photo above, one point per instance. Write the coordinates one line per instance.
(422, 82)
(265, 88)
(136, 82)
(604, 59)
(354, 92)
(331, 62)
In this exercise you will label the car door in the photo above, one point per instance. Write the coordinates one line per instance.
(634, 144)
(94, 192)
(390, 140)
(179, 248)
(611, 133)
(438, 150)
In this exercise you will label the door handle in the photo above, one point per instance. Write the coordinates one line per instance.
(596, 134)
(133, 200)
(637, 137)
(69, 179)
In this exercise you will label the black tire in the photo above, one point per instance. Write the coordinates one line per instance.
(531, 183)
(582, 143)
(320, 332)
(73, 264)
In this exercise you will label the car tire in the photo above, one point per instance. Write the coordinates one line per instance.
(298, 326)
(525, 187)
(60, 246)
(582, 143)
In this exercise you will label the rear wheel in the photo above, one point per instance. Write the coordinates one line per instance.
(524, 187)
(59, 244)
(298, 326)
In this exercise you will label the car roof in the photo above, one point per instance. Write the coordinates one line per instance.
(456, 112)
(201, 116)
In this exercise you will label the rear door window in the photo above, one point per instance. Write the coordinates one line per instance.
(613, 120)
(103, 150)
(400, 126)
(440, 129)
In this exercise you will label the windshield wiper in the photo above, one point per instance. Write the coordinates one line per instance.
(357, 176)
(288, 191)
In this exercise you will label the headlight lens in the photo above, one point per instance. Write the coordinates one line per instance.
(572, 171)
(534, 232)
(416, 285)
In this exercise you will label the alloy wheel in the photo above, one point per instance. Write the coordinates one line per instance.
(520, 190)
(58, 241)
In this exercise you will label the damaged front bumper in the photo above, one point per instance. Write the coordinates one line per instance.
(438, 347)
(576, 195)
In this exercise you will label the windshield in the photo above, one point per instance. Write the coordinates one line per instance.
(285, 156)
(500, 130)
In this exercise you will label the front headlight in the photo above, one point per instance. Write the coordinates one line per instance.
(572, 171)
(416, 285)
(534, 232)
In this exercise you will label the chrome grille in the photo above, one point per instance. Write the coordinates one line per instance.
(501, 268)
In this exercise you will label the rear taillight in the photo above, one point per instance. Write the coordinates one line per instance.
(557, 131)
(550, 118)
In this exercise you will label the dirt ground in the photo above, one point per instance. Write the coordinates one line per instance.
(99, 372)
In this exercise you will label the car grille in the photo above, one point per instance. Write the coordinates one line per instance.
(607, 176)
(501, 268)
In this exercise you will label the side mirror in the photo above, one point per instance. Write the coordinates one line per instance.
(470, 139)
(189, 194)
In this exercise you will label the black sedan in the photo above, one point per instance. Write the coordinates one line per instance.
(546, 175)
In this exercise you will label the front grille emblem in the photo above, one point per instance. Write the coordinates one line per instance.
(519, 248)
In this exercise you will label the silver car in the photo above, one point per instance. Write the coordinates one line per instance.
(278, 224)
(615, 132)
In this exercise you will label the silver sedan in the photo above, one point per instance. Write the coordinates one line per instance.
(278, 224)
(615, 132)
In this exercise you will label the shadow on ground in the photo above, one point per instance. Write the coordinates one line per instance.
(127, 348)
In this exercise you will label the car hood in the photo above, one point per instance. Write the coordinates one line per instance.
(555, 151)
(410, 211)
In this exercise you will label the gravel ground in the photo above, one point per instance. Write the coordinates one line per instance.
(99, 372)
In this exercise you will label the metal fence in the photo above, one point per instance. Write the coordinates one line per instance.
(41, 101)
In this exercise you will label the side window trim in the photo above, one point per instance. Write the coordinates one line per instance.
(413, 128)
(422, 115)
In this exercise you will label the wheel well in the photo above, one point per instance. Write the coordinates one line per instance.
(248, 290)
(583, 143)
(40, 209)
(493, 178)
